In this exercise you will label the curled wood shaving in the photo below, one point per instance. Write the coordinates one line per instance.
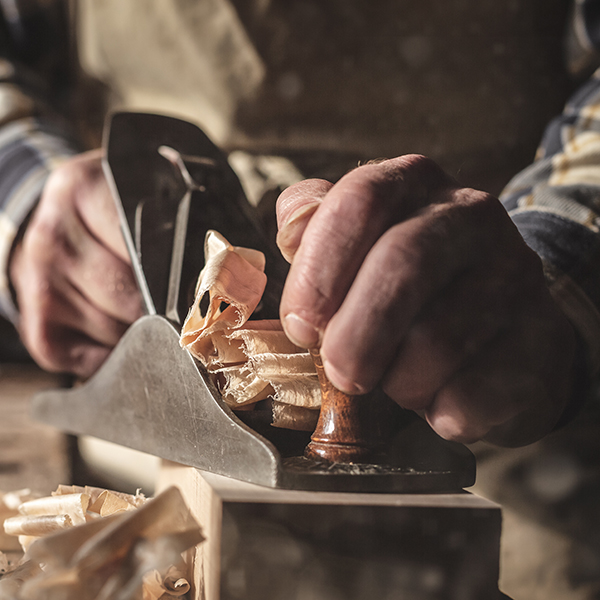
(36, 525)
(232, 276)
(250, 360)
(107, 557)
(172, 584)
(287, 416)
(95, 493)
(9, 503)
(73, 505)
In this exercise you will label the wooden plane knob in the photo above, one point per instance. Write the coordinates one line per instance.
(344, 432)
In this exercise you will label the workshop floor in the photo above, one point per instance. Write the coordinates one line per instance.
(39, 457)
(32, 455)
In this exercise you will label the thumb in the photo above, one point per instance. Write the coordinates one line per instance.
(295, 207)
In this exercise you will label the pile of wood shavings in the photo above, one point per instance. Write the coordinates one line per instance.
(94, 544)
(250, 360)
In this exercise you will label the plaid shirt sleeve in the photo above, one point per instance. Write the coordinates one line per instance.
(30, 147)
(555, 203)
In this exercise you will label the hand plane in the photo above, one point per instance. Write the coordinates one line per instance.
(172, 184)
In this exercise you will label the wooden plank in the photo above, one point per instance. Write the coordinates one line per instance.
(206, 506)
(414, 540)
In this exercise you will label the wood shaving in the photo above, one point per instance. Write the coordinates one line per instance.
(9, 503)
(231, 276)
(131, 549)
(74, 505)
(37, 525)
(250, 360)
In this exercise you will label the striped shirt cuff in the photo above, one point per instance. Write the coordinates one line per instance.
(29, 151)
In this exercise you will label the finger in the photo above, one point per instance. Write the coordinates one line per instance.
(295, 207)
(45, 302)
(45, 327)
(62, 350)
(406, 269)
(512, 394)
(59, 247)
(458, 323)
(75, 311)
(53, 310)
(353, 215)
(105, 282)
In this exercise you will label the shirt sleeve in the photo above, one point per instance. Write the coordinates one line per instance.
(555, 203)
(28, 153)
(34, 139)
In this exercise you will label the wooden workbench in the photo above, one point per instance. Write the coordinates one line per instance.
(31, 454)
(274, 544)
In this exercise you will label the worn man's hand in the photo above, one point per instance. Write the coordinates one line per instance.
(406, 279)
(71, 272)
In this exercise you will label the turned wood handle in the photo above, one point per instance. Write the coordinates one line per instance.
(344, 430)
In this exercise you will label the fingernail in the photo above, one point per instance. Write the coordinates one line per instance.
(301, 332)
(341, 382)
(300, 214)
(290, 232)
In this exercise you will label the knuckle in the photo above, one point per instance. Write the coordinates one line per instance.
(399, 246)
(476, 198)
(42, 239)
(295, 197)
(421, 175)
(45, 345)
(399, 185)
(478, 206)
(416, 166)
(410, 256)
(59, 349)
(73, 176)
(47, 240)
(45, 339)
(420, 164)
(62, 181)
(35, 297)
(454, 426)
